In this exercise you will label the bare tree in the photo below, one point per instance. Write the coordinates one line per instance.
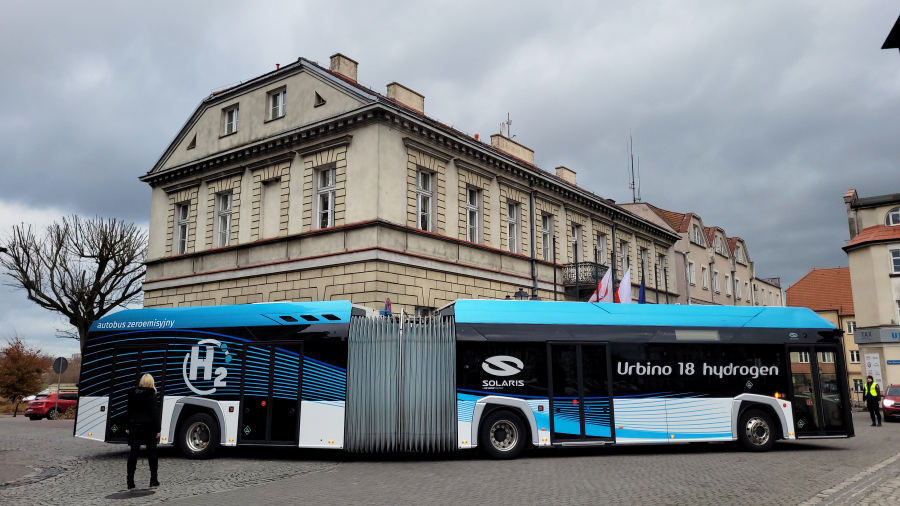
(79, 268)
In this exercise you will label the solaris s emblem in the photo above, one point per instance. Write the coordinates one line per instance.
(502, 365)
(206, 363)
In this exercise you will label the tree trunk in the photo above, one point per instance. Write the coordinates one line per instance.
(16, 411)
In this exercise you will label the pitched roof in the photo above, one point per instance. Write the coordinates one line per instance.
(675, 220)
(823, 290)
(876, 234)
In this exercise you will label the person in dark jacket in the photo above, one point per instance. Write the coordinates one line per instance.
(143, 427)
(872, 395)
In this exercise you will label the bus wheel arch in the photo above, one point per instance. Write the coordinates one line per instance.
(485, 406)
(503, 433)
(757, 429)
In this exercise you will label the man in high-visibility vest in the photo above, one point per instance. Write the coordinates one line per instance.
(872, 396)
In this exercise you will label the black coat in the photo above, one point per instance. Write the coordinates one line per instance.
(143, 416)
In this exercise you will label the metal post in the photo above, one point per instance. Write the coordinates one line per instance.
(575, 257)
(58, 382)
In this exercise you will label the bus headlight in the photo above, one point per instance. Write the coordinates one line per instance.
(887, 403)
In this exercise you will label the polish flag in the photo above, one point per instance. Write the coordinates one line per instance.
(623, 294)
(603, 293)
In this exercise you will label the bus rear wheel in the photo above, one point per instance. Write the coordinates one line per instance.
(198, 437)
(756, 431)
(502, 435)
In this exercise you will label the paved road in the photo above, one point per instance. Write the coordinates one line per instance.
(41, 463)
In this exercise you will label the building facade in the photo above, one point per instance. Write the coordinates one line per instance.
(303, 185)
(712, 267)
(829, 292)
(874, 257)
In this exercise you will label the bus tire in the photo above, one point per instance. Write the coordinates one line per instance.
(198, 437)
(756, 431)
(502, 435)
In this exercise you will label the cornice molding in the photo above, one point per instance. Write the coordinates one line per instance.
(336, 142)
(464, 165)
(428, 150)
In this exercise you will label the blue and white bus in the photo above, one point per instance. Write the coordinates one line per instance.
(497, 375)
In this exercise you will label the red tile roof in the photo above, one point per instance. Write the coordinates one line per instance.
(878, 233)
(823, 290)
(678, 221)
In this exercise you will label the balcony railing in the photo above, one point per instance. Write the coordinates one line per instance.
(583, 273)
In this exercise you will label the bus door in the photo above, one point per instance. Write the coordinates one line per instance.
(129, 364)
(818, 398)
(270, 393)
(580, 394)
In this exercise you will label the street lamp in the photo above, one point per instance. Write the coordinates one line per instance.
(521, 295)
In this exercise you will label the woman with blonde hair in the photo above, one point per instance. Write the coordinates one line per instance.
(143, 427)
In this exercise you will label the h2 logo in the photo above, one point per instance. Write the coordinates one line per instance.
(206, 363)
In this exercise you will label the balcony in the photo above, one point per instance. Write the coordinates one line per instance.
(581, 278)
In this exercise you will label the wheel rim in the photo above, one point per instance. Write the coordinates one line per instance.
(53, 415)
(197, 436)
(758, 432)
(504, 435)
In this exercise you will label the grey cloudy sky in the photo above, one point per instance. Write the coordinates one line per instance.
(757, 116)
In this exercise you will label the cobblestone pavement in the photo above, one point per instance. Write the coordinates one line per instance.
(63, 470)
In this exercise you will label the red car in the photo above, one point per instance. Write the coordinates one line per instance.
(891, 401)
(46, 405)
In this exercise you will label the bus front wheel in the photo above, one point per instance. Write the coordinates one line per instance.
(502, 435)
(756, 431)
(199, 436)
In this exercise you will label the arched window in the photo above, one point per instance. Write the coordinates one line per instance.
(893, 217)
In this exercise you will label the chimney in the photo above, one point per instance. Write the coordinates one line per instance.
(515, 149)
(566, 174)
(343, 66)
(406, 96)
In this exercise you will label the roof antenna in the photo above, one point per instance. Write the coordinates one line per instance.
(635, 188)
(505, 128)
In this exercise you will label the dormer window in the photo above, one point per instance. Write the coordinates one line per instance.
(276, 103)
(230, 120)
(893, 217)
(698, 235)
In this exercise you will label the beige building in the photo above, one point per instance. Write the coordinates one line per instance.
(874, 256)
(829, 293)
(712, 267)
(302, 184)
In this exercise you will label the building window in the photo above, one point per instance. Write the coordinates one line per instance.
(737, 288)
(270, 208)
(624, 256)
(512, 227)
(473, 214)
(276, 103)
(893, 217)
(547, 237)
(645, 253)
(854, 356)
(715, 281)
(601, 249)
(182, 219)
(230, 119)
(858, 385)
(424, 200)
(719, 246)
(739, 254)
(727, 285)
(895, 261)
(747, 289)
(704, 277)
(692, 277)
(826, 357)
(325, 186)
(804, 357)
(698, 235)
(661, 262)
(851, 327)
(575, 240)
(223, 219)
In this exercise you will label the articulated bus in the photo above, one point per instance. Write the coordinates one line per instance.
(497, 375)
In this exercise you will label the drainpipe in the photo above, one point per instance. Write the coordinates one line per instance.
(687, 278)
(534, 280)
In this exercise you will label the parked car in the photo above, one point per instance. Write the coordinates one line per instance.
(891, 402)
(47, 405)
